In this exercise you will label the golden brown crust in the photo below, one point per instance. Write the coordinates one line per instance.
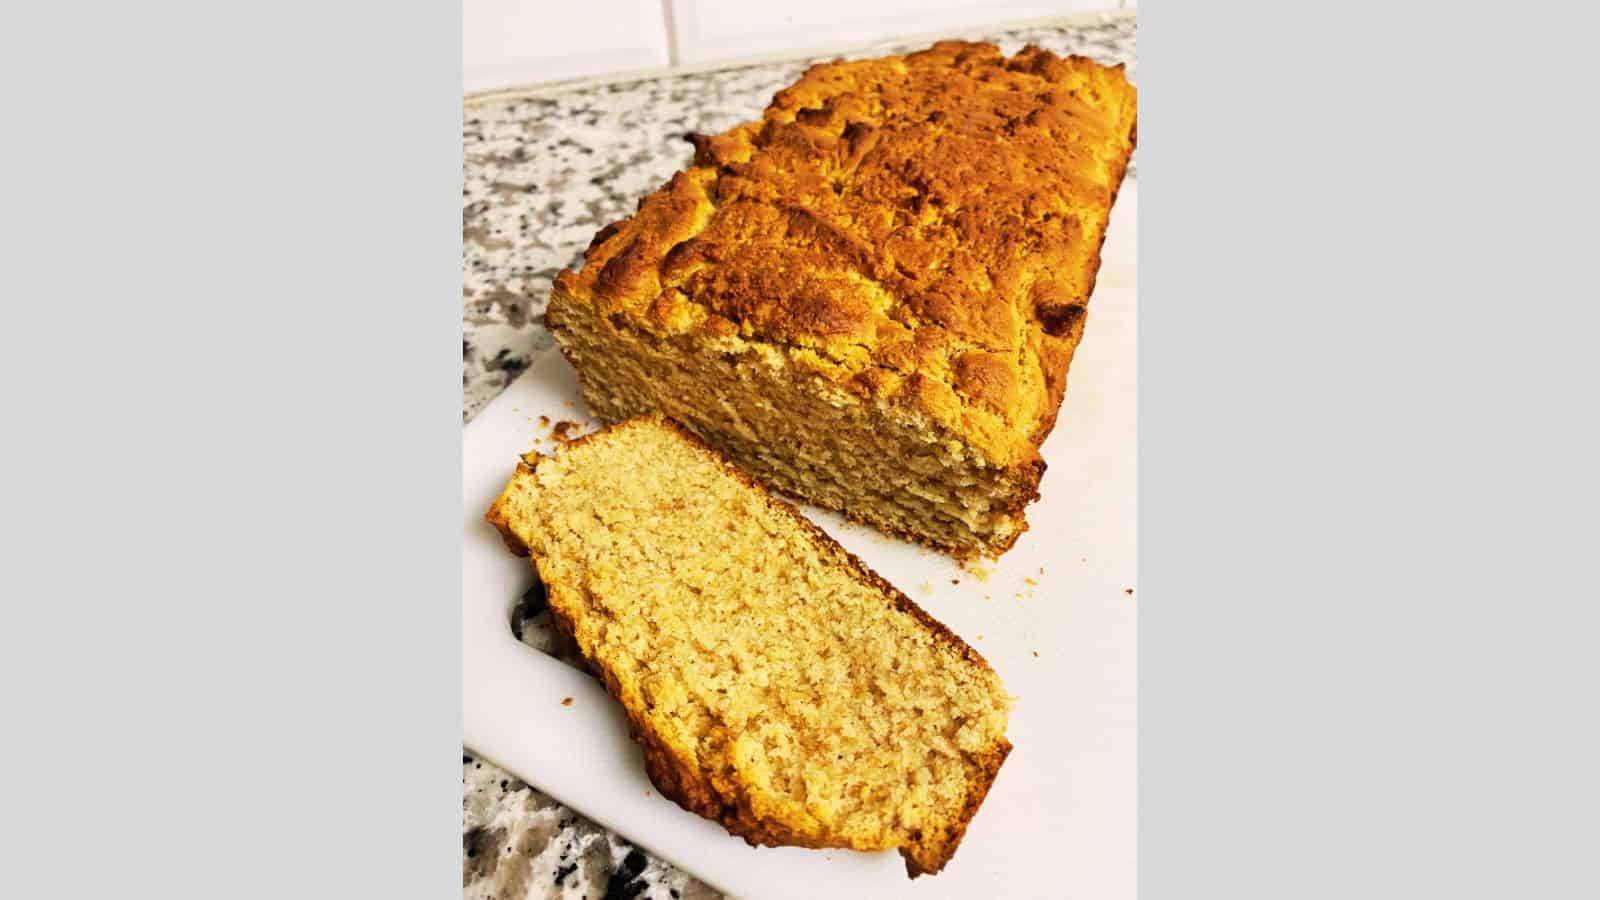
(685, 783)
(924, 229)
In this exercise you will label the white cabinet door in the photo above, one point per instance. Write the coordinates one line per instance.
(713, 30)
(512, 42)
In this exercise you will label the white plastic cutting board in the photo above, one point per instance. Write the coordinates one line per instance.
(1054, 617)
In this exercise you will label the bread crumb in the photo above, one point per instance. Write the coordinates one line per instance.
(1035, 653)
(1030, 581)
(955, 581)
(1129, 592)
(545, 421)
(566, 701)
(562, 432)
(925, 587)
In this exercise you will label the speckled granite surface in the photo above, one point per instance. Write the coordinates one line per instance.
(544, 171)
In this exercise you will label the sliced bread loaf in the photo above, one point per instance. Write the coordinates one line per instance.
(870, 297)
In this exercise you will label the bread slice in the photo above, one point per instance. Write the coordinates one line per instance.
(869, 298)
(775, 683)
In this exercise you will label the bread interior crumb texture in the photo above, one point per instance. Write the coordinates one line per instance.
(807, 695)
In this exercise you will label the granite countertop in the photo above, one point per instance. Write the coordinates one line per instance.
(545, 170)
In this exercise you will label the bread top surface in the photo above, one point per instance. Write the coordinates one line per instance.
(795, 683)
(923, 228)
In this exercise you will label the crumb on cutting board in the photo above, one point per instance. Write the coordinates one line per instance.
(566, 701)
(976, 569)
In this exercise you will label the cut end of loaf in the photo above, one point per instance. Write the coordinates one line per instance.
(875, 460)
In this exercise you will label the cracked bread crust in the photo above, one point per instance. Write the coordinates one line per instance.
(726, 800)
(922, 230)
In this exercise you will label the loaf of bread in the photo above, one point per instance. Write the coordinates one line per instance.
(776, 684)
(869, 298)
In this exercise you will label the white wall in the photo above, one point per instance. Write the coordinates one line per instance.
(516, 42)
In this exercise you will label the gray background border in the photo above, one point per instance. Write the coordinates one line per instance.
(1367, 445)
(232, 472)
